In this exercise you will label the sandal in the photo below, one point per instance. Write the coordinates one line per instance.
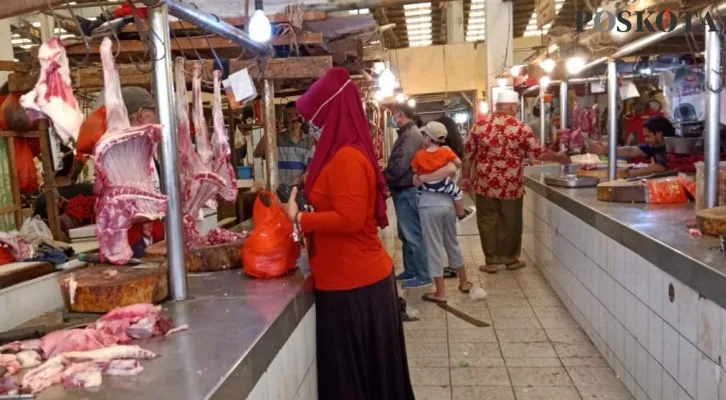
(469, 285)
(431, 297)
(449, 273)
(516, 265)
(490, 268)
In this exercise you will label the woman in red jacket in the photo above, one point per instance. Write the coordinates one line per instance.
(360, 342)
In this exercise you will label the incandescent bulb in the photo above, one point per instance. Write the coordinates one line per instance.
(575, 65)
(259, 28)
(378, 67)
(387, 81)
(515, 70)
(548, 65)
(378, 95)
(483, 107)
(400, 98)
(545, 81)
(411, 103)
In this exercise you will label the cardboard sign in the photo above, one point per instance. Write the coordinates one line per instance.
(546, 12)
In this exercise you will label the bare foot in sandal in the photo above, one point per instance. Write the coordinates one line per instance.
(434, 298)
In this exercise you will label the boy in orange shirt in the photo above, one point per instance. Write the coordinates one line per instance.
(435, 156)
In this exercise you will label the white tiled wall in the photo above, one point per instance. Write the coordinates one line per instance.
(293, 374)
(659, 349)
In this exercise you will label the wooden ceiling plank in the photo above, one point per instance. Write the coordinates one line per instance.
(275, 18)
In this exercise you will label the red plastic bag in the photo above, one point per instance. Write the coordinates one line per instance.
(270, 250)
(5, 256)
(27, 174)
(665, 191)
(91, 131)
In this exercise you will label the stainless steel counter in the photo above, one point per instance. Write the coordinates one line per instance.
(236, 327)
(657, 233)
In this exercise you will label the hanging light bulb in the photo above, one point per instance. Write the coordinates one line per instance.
(483, 107)
(400, 98)
(378, 67)
(378, 95)
(411, 103)
(545, 81)
(259, 27)
(575, 65)
(387, 81)
(502, 82)
(515, 70)
(548, 65)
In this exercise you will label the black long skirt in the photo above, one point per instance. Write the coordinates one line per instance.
(361, 346)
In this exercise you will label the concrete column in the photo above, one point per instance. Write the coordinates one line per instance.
(6, 47)
(455, 22)
(499, 39)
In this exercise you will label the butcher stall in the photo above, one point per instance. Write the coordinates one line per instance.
(638, 259)
(158, 295)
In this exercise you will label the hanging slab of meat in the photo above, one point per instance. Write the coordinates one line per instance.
(201, 136)
(123, 158)
(220, 145)
(53, 94)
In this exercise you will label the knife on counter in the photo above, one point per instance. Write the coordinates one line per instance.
(654, 175)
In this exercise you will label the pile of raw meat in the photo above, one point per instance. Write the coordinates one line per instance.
(205, 170)
(80, 357)
(123, 159)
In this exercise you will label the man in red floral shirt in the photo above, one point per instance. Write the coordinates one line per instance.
(497, 148)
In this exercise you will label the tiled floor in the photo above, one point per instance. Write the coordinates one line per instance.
(533, 351)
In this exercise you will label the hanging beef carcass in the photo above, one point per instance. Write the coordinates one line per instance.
(201, 182)
(53, 94)
(220, 145)
(201, 136)
(123, 158)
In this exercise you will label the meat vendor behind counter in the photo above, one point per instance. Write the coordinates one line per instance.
(141, 108)
(655, 130)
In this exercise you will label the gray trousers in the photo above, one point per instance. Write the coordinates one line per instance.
(438, 225)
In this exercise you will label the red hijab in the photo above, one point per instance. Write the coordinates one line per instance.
(333, 103)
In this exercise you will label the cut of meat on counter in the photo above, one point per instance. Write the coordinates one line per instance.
(137, 321)
(9, 365)
(123, 158)
(65, 340)
(9, 385)
(85, 369)
(53, 94)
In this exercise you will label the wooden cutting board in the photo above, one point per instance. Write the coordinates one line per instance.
(602, 174)
(203, 258)
(101, 288)
(17, 272)
(712, 221)
(621, 191)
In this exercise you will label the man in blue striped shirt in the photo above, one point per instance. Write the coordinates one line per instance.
(294, 149)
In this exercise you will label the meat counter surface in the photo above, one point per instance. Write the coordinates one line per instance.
(236, 327)
(657, 233)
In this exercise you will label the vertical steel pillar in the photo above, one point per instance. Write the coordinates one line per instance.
(159, 19)
(268, 97)
(612, 120)
(542, 115)
(713, 123)
(564, 106)
(522, 110)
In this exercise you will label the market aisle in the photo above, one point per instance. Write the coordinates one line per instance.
(534, 350)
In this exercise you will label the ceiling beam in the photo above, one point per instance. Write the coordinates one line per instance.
(275, 18)
(13, 8)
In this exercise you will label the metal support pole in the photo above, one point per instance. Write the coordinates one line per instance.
(542, 116)
(564, 107)
(268, 97)
(713, 123)
(522, 109)
(159, 19)
(612, 120)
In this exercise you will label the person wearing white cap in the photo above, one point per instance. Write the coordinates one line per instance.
(493, 168)
(438, 217)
